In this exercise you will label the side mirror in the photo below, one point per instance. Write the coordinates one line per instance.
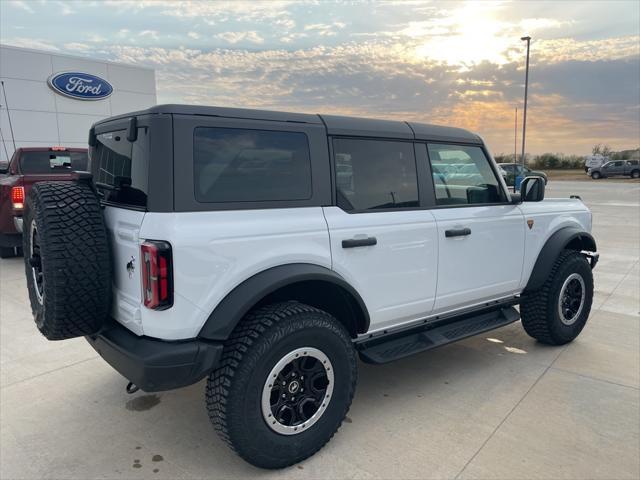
(532, 189)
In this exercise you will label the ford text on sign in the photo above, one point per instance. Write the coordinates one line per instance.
(81, 86)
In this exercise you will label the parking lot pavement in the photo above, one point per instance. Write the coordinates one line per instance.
(498, 405)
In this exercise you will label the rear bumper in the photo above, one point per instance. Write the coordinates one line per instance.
(155, 365)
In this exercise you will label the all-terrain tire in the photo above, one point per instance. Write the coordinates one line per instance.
(234, 391)
(539, 311)
(67, 259)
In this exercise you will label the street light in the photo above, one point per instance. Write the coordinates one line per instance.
(526, 90)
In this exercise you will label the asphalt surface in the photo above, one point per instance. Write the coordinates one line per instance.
(498, 405)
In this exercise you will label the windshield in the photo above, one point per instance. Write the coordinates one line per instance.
(45, 162)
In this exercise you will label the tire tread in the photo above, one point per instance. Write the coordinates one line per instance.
(245, 336)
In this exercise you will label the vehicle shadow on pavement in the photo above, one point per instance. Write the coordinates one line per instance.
(425, 396)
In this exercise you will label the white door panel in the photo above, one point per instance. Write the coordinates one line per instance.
(396, 277)
(487, 263)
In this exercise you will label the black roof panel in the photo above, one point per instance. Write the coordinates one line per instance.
(336, 125)
(425, 131)
(367, 127)
(224, 112)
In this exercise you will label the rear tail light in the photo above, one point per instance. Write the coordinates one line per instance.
(157, 274)
(58, 149)
(17, 198)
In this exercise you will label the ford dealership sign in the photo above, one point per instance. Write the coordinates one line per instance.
(81, 86)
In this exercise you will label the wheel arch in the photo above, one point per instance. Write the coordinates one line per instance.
(571, 238)
(308, 283)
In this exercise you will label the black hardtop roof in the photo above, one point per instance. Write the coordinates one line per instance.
(335, 124)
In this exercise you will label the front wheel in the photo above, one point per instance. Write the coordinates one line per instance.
(284, 385)
(635, 174)
(557, 312)
(596, 175)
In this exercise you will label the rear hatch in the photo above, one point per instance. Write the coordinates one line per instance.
(120, 173)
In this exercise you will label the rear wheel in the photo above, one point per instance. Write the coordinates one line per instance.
(635, 174)
(67, 260)
(557, 313)
(285, 384)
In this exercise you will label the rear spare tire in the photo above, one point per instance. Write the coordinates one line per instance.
(67, 259)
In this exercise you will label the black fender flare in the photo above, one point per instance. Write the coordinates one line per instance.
(566, 237)
(228, 313)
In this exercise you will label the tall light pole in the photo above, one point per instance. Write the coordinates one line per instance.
(515, 138)
(526, 91)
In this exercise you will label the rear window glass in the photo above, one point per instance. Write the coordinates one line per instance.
(240, 165)
(120, 168)
(52, 161)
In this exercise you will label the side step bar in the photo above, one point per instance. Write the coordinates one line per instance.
(426, 337)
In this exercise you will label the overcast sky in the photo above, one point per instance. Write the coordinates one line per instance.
(454, 63)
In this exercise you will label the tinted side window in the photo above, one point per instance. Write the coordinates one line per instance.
(375, 174)
(462, 175)
(121, 168)
(239, 165)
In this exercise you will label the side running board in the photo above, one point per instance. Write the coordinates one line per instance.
(403, 344)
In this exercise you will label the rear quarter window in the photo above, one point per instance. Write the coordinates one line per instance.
(121, 168)
(242, 165)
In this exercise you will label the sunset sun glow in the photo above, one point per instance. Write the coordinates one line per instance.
(459, 63)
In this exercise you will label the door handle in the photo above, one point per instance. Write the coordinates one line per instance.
(457, 232)
(359, 242)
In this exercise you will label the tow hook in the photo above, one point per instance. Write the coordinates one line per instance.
(131, 388)
(593, 259)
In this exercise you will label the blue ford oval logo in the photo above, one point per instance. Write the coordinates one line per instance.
(81, 86)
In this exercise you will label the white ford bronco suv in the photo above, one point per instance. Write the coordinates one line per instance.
(267, 251)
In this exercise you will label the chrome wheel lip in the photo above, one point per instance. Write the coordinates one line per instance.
(39, 289)
(563, 291)
(268, 417)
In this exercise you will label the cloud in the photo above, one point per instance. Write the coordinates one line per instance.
(237, 37)
(325, 29)
(193, 35)
(96, 38)
(32, 43)
(153, 34)
(77, 47)
(210, 11)
(22, 5)
(385, 80)
(65, 8)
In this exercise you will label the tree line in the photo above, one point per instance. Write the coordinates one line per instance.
(562, 161)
